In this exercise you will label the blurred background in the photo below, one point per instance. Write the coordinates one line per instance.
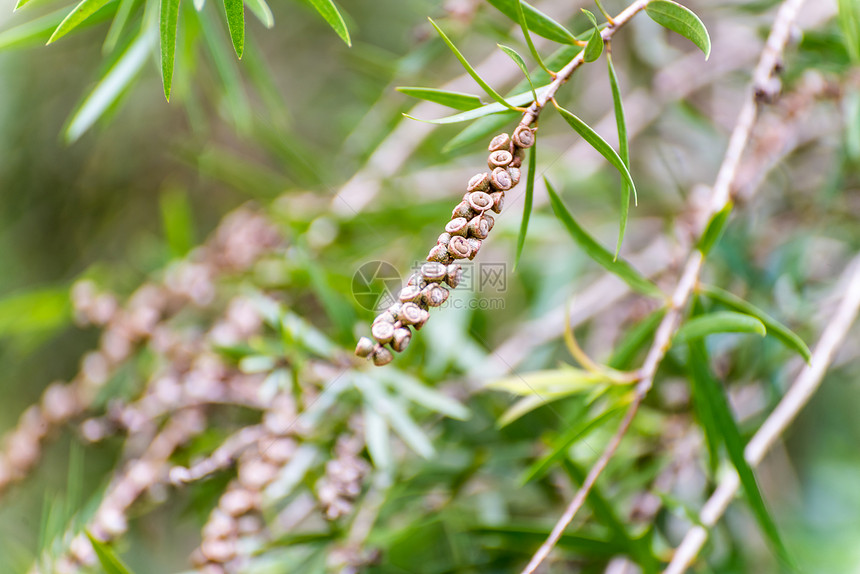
(106, 182)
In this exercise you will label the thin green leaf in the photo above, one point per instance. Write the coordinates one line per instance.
(237, 103)
(123, 13)
(32, 31)
(328, 10)
(262, 11)
(623, 150)
(470, 70)
(420, 394)
(562, 444)
(720, 322)
(788, 337)
(634, 340)
(167, 27)
(527, 207)
(524, 406)
(598, 143)
(518, 60)
(377, 437)
(107, 557)
(714, 229)
(235, 10)
(594, 47)
(537, 21)
(849, 21)
(529, 537)
(726, 428)
(177, 219)
(111, 86)
(81, 12)
(523, 22)
(456, 100)
(520, 99)
(593, 249)
(699, 375)
(682, 20)
(554, 382)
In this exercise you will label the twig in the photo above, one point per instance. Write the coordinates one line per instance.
(720, 198)
(794, 400)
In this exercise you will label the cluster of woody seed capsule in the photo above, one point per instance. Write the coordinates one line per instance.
(470, 224)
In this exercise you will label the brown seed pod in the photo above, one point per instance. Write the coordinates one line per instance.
(433, 272)
(501, 179)
(479, 226)
(382, 356)
(422, 319)
(394, 309)
(524, 137)
(453, 275)
(410, 314)
(500, 142)
(443, 238)
(385, 317)
(518, 157)
(401, 339)
(475, 245)
(480, 201)
(479, 182)
(434, 295)
(439, 253)
(382, 332)
(458, 225)
(410, 293)
(515, 174)
(415, 279)
(500, 158)
(498, 201)
(459, 248)
(462, 210)
(364, 347)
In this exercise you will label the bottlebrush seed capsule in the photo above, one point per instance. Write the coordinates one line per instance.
(439, 253)
(501, 179)
(480, 201)
(421, 320)
(500, 158)
(453, 275)
(401, 339)
(433, 272)
(500, 142)
(385, 317)
(364, 347)
(382, 356)
(434, 295)
(524, 137)
(515, 174)
(498, 201)
(382, 331)
(410, 293)
(459, 247)
(458, 225)
(410, 314)
(462, 210)
(479, 227)
(475, 246)
(443, 238)
(479, 182)
(518, 157)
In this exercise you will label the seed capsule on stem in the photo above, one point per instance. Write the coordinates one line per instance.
(439, 253)
(382, 356)
(500, 142)
(480, 201)
(475, 246)
(498, 201)
(453, 275)
(401, 339)
(479, 227)
(459, 247)
(479, 182)
(515, 174)
(364, 347)
(410, 314)
(443, 238)
(458, 225)
(524, 137)
(501, 179)
(410, 293)
(433, 272)
(434, 295)
(382, 331)
(500, 158)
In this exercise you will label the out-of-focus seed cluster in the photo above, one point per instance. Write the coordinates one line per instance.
(471, 223)
(344, 476)
(243, 238)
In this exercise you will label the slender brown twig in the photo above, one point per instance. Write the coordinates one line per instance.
(720, 197)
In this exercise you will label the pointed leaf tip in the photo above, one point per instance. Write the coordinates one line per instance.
(681, 20)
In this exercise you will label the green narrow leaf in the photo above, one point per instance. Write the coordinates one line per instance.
(720, 322)
(107, 557)
(726, 428)
(520, 99)
(111, 86)
(456, 100)
(593, 249)
(480, 130)
(555, 382)
(235, 10)
(623, 149)
(233, 90)
(714, 229)
(594, 47)
(81, 12)
(634, 340)
(699, 374)
(178, 221)
(123, 13)
(681, 20)
(518, 60)
(563, 442)
(377, 437)
(262, 11)
(537, 21)
(598, 143)
(167, 27)
(788, 337)
(32, 31)
(470, 70)
(849, 21)
(328, 10)
(427, 397)
(521, 19)
(527, 207)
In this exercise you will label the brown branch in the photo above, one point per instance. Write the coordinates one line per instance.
(791, 404)
(720, 197)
